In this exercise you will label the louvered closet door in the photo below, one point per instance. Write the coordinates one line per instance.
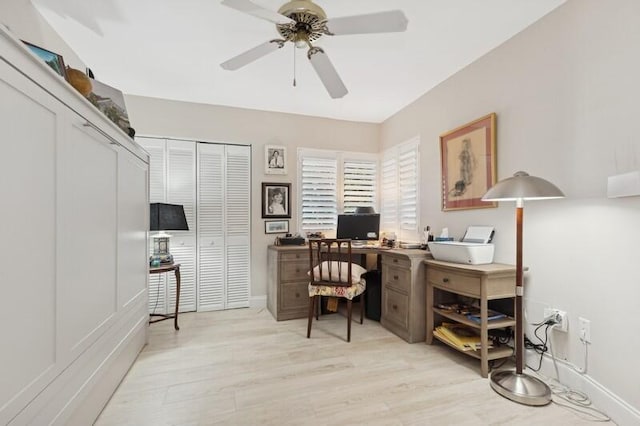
(238, 191)
(211, 251)
(181, 189)
(223, 226)
(158, 296)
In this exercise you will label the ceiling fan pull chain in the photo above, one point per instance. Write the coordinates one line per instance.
(294, 67)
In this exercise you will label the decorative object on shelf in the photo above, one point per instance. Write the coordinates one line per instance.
(275, 160)
(468, 162)
(276, 226)
(276, 200)
(79, 80)
(165, 217)
(110, 101)
(515, 385)
(50, 58)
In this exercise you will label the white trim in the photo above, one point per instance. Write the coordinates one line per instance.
(603, 399)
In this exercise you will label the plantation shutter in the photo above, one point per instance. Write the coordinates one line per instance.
(318, 193)
(359, 184)
(400, 188)
(408, 190)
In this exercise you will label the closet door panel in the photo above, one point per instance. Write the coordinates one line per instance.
(211, 220)
(237, 212)
(181, 189)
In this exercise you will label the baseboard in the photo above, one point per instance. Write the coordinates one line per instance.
(258, 302)
(615, 407)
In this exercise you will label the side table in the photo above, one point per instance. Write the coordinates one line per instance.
(175, 267)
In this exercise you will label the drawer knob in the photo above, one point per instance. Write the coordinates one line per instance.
(297, 294)
(297, 270)
(395, 307)
(395, 260)
(297, 256)
(445, 280)
(395, 277)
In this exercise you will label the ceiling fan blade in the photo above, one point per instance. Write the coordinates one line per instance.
(381, 22)
(327, 73)
(252, 55)
(260, 12)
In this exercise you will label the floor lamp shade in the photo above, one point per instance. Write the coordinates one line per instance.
(165, 217)
(515, 385)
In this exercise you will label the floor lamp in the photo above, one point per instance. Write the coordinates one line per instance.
(515, 385)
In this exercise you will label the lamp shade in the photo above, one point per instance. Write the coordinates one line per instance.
(522, 186)
(364, 210)
(167, 217)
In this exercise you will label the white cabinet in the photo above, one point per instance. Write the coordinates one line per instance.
(212, 182)
(74, 223)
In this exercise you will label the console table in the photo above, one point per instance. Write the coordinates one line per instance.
(175, 267)
(446, 281)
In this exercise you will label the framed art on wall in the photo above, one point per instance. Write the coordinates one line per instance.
(275, 160)
(276, 226)
(50, 58)
(468, 162)
(276, 200)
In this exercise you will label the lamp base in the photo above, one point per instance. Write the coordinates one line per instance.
(520, 388)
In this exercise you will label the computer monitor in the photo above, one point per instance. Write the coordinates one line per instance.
(359, 226)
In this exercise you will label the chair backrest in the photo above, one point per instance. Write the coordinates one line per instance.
(330, 262)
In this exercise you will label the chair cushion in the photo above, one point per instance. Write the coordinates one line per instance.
(340, 291)
(339, 271)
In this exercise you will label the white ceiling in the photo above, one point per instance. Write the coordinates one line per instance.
(172, 49)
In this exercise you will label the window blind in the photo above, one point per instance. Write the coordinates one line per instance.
(359, 184)
(318, 193)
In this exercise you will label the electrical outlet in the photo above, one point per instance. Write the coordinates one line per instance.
(585, 329)
(561, 318)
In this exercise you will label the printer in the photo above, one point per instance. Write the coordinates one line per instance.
(475, 248)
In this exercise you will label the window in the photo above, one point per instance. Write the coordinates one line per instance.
(334, 182)
(400, 190)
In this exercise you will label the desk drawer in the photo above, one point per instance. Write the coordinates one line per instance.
(396, 308)
(397, 261)
(398, 278)
(294, 271)
(295, 256)
(458, 283)
(294, 296)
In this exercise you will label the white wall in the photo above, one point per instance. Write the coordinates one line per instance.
(566, 94)
(165, 118)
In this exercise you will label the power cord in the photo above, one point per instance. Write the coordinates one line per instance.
(541, 347)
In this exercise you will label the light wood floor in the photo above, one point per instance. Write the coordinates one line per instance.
(241, 367)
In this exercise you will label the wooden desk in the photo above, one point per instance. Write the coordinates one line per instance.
(175, 267)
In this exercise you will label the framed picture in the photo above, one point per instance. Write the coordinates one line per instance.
(276, 226)
(110, 101)
(275, 160)
(52, 59)
(468, 161)
(276, 200)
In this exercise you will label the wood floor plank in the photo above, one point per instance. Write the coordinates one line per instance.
(241, 367)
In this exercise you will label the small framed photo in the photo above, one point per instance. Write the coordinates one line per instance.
(275, 160)
(468, 161)
(276, 200)
(276, 226)
(50, 58)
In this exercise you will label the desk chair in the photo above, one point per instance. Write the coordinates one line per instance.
(331, 275)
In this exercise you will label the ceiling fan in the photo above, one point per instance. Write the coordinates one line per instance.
(303, 22)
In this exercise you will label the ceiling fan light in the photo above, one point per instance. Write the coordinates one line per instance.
(301, 44)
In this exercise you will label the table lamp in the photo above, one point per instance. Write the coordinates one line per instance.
(515, 385)
(165, 217)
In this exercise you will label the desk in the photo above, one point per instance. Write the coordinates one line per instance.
(175, 267)
(403, 286)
